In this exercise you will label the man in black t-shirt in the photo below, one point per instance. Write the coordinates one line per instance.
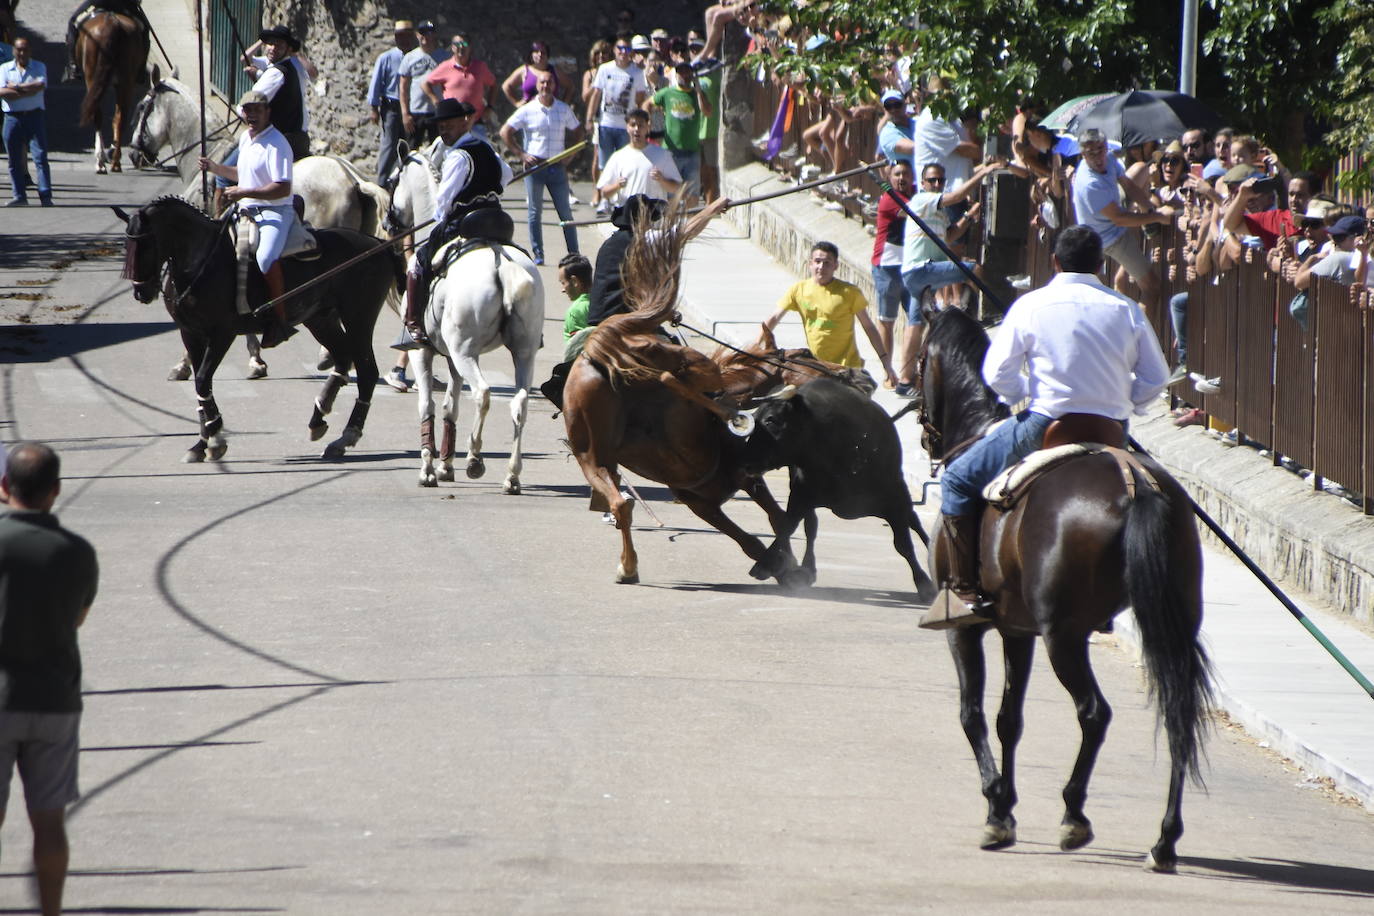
(48, 581)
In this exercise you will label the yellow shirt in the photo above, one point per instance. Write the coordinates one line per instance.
(827, 314)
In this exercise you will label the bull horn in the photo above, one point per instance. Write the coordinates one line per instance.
(784, 393)
(742, 423)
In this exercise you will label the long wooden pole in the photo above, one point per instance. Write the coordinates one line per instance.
(200, 68)
(805, 186)
(552, 160)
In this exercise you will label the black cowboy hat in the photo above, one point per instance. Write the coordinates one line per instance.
(280, 33)
(451, 108)
(624, 216)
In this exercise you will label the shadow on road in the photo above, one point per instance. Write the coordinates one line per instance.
(56, 251)
(45, 343)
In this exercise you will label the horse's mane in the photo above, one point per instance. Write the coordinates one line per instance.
(960, 343)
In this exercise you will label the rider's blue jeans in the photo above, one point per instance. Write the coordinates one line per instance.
(961, 485)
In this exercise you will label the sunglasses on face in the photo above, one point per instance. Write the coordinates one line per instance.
(624, 47)
(1172, 161)
(460, 44)
(934, 179)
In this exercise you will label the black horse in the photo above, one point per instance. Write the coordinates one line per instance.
(201, 297)
(1070, 555)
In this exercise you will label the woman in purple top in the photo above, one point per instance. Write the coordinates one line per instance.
(521, 85)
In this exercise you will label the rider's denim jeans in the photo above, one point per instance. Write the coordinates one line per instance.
(555, 178)
(962, 483)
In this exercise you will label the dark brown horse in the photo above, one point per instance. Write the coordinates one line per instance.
(9, 26)
(113, 55)
(1074, 551)
(635, 399)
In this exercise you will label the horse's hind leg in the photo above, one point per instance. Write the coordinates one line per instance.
(519, 410)
(422, 365)
(449, 443)
(1069, 656)
(354, 352)
(481, 398)
(901, 539)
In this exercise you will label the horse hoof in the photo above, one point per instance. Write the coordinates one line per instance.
(333, 451)
(428, 480)
(317, 432)
(193, 456)
(622, 579)
(476, 468)
(998, 836)
(761, 571)
(216, 452)
(325, 364)
(1160, 866)
(257, 369)
(100, 170)
(446, 474)
(798, 578)
(179, 374)
(512, 488)
(116, 168)
(1074, 836)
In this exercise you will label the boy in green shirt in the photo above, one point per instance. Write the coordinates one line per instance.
(575, 277)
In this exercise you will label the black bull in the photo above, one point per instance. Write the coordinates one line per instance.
(843, 454)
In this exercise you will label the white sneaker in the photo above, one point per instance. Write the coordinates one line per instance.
(602, 208)
(572, 199)
(396, 378)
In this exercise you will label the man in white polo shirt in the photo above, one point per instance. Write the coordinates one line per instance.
(262, 187)
(545, 122)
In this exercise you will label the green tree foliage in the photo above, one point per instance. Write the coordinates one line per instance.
(1354, 108)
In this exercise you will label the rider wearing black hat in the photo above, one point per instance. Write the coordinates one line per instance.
(473, 177)
(281, 83)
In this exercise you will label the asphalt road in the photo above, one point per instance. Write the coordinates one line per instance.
(314, 687)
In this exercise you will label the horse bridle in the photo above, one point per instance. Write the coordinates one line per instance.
(131, 241)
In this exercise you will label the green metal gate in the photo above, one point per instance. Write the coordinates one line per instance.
(234, 24)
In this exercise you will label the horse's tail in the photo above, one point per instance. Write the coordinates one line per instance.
(373, 202)
(1168, 610)
(398, 286)
(101, 76)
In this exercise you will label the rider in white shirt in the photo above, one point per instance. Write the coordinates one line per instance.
(1084, 349)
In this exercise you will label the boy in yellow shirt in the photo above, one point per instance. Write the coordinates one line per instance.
(828, 308)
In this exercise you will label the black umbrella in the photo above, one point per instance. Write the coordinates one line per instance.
(1142, 115)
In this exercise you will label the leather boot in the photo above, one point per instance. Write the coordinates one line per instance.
(277, 329)
(959, 603)
(417, 299)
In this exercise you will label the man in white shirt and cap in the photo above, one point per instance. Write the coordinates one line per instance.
(1071, 347)
(261, 185)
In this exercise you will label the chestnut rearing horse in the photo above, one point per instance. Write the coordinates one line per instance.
(113, 54)
(1074, 551)
(635, 399)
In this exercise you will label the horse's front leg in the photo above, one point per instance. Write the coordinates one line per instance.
(764, 559)
(102, 155)
(356, 355)
(257, 366)
(207, 354)
(448, 445)
(1017, 654)
(966, 646)
(324, 403)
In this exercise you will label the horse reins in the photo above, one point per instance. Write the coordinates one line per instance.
(782, 362)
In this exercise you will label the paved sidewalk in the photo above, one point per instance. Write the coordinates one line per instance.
(1272, 676)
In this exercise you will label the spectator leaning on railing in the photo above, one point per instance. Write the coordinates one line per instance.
(1096, 204)
(1351, 249)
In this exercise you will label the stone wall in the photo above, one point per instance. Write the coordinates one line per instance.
(344, 37)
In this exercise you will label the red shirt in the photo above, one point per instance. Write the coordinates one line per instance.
(466, 84)
(1269, 225)
(887, 239)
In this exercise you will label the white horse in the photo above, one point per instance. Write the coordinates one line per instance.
(491, 296)
(416, 187)
(336, 195)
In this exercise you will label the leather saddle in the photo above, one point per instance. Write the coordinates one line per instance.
(1074, 428)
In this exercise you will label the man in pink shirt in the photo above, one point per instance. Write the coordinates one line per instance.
(467, 80)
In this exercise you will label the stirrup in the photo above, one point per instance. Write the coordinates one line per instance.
(949, 610)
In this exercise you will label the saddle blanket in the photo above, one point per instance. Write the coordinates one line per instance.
(1009, 486)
